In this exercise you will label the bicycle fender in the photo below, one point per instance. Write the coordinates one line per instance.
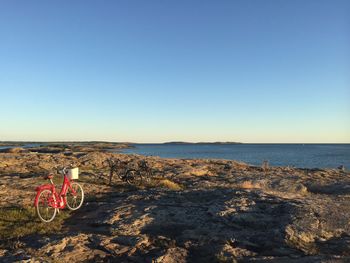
(39, 189)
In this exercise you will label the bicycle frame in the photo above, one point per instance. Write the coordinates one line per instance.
(60, 197)
(120, 170)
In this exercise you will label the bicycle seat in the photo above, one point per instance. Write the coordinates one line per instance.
(49, 176)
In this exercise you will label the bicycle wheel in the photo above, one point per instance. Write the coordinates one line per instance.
(75, 198)
(133, 178)
(45, 208)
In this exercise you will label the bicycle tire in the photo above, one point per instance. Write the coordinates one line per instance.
(46, 205)
(72, 203)
(132, 177)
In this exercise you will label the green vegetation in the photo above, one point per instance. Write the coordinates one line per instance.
(17, 222)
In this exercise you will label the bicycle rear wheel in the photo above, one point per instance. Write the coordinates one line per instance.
(45, 208)
(133, 178)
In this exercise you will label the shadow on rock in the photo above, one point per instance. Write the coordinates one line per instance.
(211, 225)
(331, 189)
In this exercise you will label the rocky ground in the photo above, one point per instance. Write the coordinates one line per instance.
(191, 211)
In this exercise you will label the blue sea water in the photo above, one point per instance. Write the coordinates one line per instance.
(22, 146)
(297, 155)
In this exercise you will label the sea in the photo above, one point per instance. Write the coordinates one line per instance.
(22, 146)
(294, 155)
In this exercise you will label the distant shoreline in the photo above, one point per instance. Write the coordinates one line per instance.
(182, 143)
(48, 143)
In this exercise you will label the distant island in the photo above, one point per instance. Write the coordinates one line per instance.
(180, 143)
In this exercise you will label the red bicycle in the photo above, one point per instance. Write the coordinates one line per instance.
(48, 201)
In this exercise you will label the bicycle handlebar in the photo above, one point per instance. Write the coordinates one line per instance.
(63, 170)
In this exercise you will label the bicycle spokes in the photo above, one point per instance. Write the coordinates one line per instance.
(46, 208)
(75, 196)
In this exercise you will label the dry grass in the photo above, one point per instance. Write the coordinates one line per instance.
(221, 258)
(200, 171)
(160, 182)
(249, 185)
(169, 184)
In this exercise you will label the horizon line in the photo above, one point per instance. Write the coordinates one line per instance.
(165, 142)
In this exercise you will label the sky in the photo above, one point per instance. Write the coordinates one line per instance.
(154, 71)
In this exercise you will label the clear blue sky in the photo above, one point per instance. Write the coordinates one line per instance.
(154, 71)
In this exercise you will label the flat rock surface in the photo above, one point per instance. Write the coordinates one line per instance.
(226, 211)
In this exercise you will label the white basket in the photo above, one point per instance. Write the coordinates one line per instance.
(73, 173)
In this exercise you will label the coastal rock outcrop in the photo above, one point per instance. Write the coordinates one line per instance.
(189, 211)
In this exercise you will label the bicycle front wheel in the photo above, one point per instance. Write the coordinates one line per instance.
(75, 196)
(45, 208)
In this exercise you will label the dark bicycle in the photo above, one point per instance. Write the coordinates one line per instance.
(145, 170)
(123, 171)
